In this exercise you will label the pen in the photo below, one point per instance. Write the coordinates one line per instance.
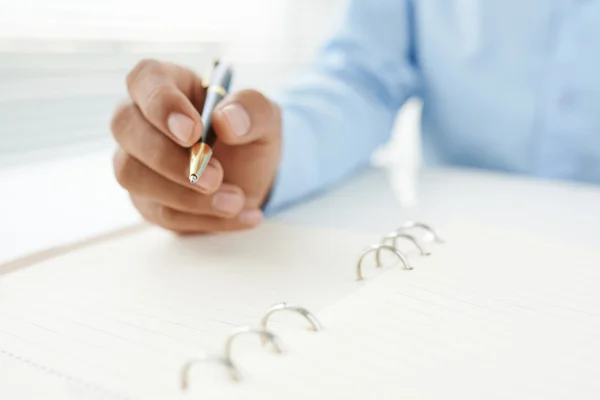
(201, 152)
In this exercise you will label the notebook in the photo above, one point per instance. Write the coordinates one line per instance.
(487, 314)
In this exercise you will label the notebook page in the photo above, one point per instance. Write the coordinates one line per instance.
(489, 315)
(117, 319)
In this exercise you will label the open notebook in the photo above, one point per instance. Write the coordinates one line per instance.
(488, 314)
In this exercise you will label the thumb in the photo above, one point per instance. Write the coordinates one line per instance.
(244, 117)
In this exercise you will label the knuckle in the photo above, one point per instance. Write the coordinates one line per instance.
(159, 157)
(122, 165)
(159, 97)
(121, 119)
(193, 203)
(164, 216)
(144, 208)
(252, 96)
(144, 66)
(156, 214)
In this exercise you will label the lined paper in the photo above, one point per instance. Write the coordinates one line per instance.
(489, 315)
(118, 319)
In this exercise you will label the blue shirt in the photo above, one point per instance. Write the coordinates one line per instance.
(508, 85)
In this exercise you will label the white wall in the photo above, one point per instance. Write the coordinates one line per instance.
(63, 62)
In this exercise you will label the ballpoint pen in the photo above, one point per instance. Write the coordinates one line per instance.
(201, 152)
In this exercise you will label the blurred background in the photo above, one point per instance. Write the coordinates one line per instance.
(63, 65)
(63, 62)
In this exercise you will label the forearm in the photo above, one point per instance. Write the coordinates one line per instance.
(338, 114)
(329, 132)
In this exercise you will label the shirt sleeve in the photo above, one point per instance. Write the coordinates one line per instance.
(344, 108)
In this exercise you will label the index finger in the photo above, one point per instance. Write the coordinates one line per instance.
(167, 96)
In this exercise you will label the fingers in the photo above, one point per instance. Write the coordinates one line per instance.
(152, 162)
(137, 137)
(167, 95)
(244, 117)
(141, 181)
(182, 222)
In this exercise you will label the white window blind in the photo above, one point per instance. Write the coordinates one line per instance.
(60, 98)
(63, 62)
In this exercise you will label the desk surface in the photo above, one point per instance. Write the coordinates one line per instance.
(561, 211)
(66, 206)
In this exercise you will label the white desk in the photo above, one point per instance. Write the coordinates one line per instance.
(78, 198)
(563, 211)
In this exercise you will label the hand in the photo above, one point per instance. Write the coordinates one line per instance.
(154, 132)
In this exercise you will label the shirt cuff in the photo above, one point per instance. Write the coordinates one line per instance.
(297, 175)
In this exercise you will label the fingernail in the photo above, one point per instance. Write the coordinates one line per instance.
(238, 118)
(228, 202)
(181, 126)
(250, 217)
(208, 179)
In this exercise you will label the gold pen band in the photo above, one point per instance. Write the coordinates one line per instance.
(217, 89)
(200, 156)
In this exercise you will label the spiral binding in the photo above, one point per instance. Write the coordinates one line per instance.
(266, 336)
(388, 243)
(413, 224)
(395, 235)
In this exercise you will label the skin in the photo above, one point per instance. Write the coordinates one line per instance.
(154, 130)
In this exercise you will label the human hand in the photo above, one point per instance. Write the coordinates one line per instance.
(161, 121)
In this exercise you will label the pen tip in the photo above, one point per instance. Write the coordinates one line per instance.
(193, 178)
